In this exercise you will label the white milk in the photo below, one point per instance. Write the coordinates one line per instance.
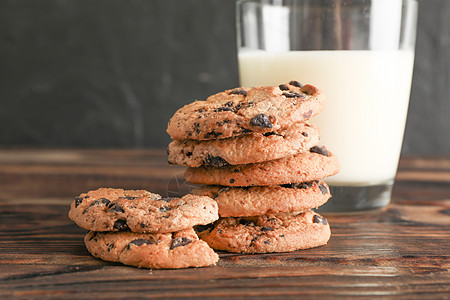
(367, 96)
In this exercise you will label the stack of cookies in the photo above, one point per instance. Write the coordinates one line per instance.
(260, 160)
(139, 228)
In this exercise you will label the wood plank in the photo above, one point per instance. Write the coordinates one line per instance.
(402, 250)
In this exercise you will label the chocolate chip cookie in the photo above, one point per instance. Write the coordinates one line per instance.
(256, 201)
(268, 233)
(317, 163)
(108, 209)
(180, 249)
(242, 110)
(250, 148)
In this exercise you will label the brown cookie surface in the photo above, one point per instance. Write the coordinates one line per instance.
(317, 163)
(180, 249)
(250, 148)
(108, 209)
(269, 233)
(256, 201)
(243, 110)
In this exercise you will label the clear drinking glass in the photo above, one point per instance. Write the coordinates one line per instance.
(360, 53)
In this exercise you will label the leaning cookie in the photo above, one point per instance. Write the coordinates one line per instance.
(256, 201)
(108, 209)
(317, 163)
(243, 110)
(245, 149)
(176, 250)
(265, 234)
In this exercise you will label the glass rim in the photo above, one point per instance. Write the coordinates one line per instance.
(283, 3)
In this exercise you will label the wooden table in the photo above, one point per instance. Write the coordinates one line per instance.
(403, 250)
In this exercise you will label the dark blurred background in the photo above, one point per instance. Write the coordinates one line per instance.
(110, 73)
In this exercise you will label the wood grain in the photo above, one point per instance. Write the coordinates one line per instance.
(402, 250)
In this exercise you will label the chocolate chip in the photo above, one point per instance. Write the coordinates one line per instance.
(246, 222)
(242, 105)
(93, 235)
(105, 201)
(232, 180)
(238, 106)
(95, 202)
(167, 199)
(201, 110)
(271, 133)
(120, 224)
(110, 246)
(255, 239)
(319, 150)
(213, 133)
(267, 242)
(143, 225)
(293, 95)
(140, 242)
(78, 201)
(189, 154)
(215, 161)
(201, 228)
(116, 208)
(320, 220)
(309, 89)
(266, 228)
(295, 83)
(261, 120)
(323, 189)
(236, 170)
(283, 87)
(305, 134)
(302, 185)
(238, 92)
(165, 209)
(181, 241)
(224, 108)
(196, 127)
(130, 198)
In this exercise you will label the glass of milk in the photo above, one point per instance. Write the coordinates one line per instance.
(360, 53)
